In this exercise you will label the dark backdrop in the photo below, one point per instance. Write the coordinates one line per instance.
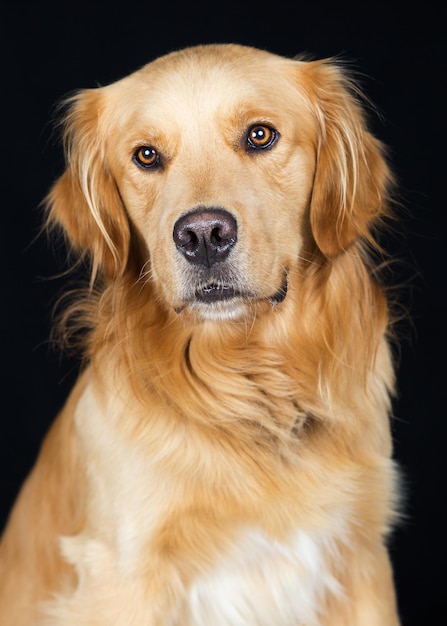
(48, 50)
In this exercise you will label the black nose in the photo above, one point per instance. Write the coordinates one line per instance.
(205, 236)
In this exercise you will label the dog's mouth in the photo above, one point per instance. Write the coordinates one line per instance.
(220, 299)
(219, 291)
(215, 292)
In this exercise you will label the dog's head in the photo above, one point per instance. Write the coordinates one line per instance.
(215, 172)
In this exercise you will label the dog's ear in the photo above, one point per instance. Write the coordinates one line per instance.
(352, 179)
(85, 200)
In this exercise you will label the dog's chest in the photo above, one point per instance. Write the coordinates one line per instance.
(258, 581)
(244, 576)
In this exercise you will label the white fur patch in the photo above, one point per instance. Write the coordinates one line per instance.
(264, 582)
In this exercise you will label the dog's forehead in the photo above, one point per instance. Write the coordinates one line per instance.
(212, 64)
(208, 77)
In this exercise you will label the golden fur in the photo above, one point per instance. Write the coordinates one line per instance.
(225, 458)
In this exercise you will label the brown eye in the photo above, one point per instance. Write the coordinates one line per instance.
(146, 157)
(261, 136)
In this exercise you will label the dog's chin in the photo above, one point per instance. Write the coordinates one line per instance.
(220, 302)
(231, 309)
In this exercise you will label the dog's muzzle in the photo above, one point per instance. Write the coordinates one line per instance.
(205, 237)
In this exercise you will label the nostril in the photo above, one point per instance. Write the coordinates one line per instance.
(186, 238)
(217, 235)
(205, 236)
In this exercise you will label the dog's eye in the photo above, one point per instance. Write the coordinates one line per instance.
(146, 157)
(261, 136)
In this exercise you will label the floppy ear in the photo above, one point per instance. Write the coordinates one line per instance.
(352, 179)
(85, 200)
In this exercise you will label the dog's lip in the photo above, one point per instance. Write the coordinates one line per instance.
(216, 291)
(281, 294)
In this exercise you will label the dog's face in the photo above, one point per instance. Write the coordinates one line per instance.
(216, 177)
(223, 166)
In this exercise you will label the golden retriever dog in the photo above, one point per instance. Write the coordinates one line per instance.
(225, 458)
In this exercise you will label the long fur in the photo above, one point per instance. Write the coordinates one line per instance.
(224, 462)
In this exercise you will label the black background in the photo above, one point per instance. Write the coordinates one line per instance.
(48, 50)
